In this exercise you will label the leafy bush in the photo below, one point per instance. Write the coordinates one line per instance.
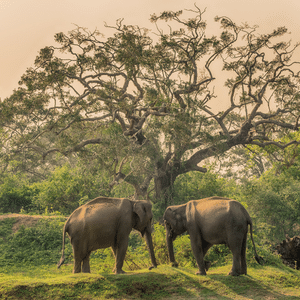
(68, 187)
(159, 244)
(274, 203)
(195, 185)
(6, 229)
(36, 245)
(101, 260)
(183, 252)
(15, 194)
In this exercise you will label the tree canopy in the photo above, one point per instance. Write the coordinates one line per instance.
(144, 105)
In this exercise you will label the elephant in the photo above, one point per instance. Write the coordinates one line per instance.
(107, 222)
(211, 221)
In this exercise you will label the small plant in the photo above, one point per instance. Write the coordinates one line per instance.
(159, 243)
(183, 252)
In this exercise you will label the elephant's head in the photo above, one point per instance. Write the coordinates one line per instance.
(142, 216)
(175, 223)
(142, 219)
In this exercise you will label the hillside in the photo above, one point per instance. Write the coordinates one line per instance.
(24, 275)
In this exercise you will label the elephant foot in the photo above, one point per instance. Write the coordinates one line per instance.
(207, 265)
(233, 273)
(152, 267)
(174, 264)
(200, 273)
(120, 272)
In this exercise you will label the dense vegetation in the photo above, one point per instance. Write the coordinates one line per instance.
(273, 200)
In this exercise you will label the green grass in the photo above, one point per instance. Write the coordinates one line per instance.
(28, 270)
(165, 282)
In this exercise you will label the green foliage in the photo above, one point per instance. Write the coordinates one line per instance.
(159, 244)
(196, 185)
(274, 203)
(37, 245)
(61, 191)
(183, 252)
(68, 187)
(15, 194)
(101, 260)
(6, 229)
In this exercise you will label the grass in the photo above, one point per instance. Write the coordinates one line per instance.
(165, 282)
(28, 270)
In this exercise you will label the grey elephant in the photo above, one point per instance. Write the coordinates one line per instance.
(211, 221)
(107, 222)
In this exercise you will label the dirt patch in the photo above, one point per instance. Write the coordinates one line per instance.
(24, 220)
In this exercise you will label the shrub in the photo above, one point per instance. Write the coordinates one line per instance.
(183, 252)
(274, 203)
(37, 245)
(15, 195)
(68, 187)
(159, 244)
(195, 185)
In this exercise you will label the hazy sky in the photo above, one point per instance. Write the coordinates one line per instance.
(26, 26)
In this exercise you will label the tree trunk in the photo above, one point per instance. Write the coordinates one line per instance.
(162, 190)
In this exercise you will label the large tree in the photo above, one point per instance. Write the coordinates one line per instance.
(150, 105)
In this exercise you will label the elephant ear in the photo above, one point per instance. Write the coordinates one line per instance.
(139, 209)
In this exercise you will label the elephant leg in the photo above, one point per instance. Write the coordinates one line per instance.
(86, 264)
(243, 256)
(77, 261)
(196, 244)
(235, 245)
(120, 253)
(79, 253)
(205, 247)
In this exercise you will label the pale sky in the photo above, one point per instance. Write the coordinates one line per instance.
(26, 26)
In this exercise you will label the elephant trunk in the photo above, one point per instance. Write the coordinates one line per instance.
(149, 242)
(170, 238)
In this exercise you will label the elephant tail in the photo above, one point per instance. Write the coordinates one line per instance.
(258, 258)
(62, 259)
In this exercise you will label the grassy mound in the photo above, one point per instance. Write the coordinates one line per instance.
(161, 283)
(30, 248)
